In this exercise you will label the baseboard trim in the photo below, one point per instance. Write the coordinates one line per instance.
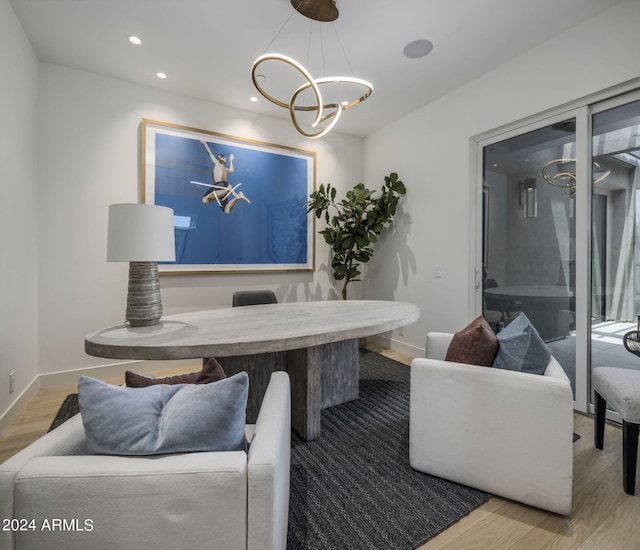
(62, 378)
(397, 345)
(111, 370)
(20, 404)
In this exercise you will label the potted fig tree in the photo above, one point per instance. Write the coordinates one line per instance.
(354, 223)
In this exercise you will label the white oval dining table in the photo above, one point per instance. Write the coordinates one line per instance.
(316, 342)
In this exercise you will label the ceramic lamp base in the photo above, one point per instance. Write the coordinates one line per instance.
(144, 303)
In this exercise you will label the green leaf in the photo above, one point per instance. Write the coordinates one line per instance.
(347, 243)
(362, 241)
(399, 188)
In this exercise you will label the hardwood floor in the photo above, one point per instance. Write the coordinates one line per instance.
(603, 516)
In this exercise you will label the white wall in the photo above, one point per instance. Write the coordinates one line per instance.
(18, 208)
(69, 154)
(431, 152)
(88, 152)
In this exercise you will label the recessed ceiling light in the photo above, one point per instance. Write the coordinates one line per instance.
(260, 77)
(417, 48)
(254, 99)
(161, 75)
(135, 40)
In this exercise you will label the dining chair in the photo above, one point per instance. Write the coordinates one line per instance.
(620, 388)
(253, 297)
(505, 306)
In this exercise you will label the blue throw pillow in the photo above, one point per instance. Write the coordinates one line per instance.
(163, 419)
(521, 348)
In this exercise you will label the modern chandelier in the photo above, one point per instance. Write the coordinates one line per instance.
(307, 97)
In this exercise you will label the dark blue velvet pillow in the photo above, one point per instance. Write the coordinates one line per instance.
(163, 419)
(521, 348)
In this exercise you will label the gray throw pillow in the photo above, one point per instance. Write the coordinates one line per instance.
(164, 419)
(521, 348)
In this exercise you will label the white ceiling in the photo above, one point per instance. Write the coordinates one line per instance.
(206, 47)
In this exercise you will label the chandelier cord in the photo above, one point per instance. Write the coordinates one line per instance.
(324, 67)
(281, 29)
(309, 42)
(344, 52)
(306, 93)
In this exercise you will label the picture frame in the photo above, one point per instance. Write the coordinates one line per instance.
(238, 203)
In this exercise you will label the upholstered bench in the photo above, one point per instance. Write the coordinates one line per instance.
(621, 389)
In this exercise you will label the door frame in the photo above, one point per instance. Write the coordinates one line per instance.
(601, 200)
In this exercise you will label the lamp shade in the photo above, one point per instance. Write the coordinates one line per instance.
(140, 233)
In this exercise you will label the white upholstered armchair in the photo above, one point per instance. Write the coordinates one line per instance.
(504, 432)
(67, 499)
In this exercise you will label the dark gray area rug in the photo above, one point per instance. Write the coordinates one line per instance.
(68, 409)
(353, 488)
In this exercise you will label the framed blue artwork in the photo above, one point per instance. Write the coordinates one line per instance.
(238, 204)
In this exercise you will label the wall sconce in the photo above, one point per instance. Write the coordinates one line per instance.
(143, 235)
(529, 197)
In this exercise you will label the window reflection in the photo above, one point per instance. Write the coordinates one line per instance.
(530, 235)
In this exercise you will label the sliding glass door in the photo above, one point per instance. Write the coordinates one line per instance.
(559, 233)
(529, 263)
(615, 245)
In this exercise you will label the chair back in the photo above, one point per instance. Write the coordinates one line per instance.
(631, 341)
(253, 297)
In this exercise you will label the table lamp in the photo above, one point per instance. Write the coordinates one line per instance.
(143, 235)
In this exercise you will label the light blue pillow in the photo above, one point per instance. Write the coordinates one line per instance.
(163, 419)
(521, 348)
